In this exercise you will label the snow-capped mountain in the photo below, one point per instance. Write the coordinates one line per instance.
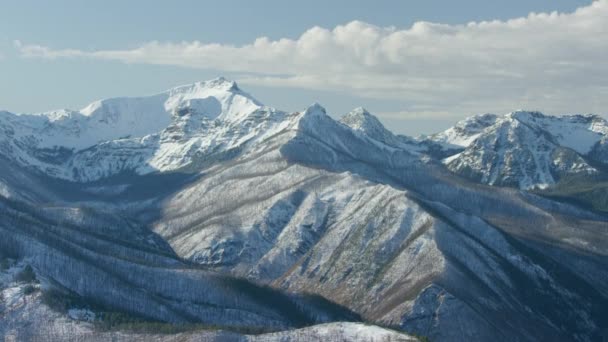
(164, 132)
(226, 211)
(183, 127)
(525, 149)
(360, 120)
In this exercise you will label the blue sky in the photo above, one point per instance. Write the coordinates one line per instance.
(73, 52)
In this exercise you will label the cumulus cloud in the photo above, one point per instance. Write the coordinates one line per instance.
(548, 61)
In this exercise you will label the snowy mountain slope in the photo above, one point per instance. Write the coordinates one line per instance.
(110, 272)
(23, 323)
(306, 204)
(27, 314)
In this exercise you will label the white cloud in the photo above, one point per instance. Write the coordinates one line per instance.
(549, 61)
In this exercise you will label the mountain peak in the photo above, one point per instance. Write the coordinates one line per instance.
(525, 116)
(217, 84)
(315, 108)
(212, 98)
(362, 120)
(222, 82)
(360, 110)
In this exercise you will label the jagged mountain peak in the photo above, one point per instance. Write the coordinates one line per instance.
(314, 115)
(361, 119)
(315, 108)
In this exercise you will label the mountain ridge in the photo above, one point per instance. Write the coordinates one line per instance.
(185, 113)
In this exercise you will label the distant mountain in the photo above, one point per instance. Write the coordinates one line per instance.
(201, 205)
(163, 132)
(525, 149)
(171, 130)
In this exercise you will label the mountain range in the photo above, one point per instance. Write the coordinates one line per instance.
(201, 207)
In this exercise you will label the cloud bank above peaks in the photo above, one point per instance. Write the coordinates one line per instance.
(549, 61)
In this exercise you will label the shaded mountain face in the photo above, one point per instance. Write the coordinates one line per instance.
(216, 205)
